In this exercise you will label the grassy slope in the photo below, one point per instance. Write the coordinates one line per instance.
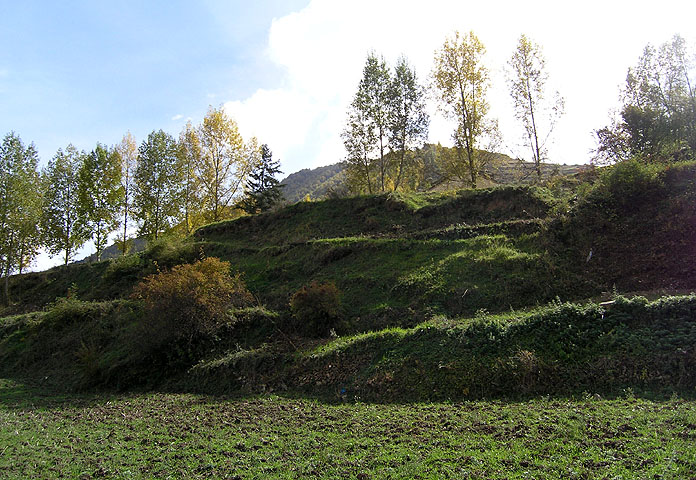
(399, 260)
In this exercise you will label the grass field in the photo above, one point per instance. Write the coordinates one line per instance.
(157, 435)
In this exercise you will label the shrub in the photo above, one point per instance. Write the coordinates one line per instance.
(316, 308)
(189, 302)
(123, 266)
(168, 251)
(631, 181)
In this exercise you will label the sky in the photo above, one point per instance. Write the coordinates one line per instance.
(83, 72)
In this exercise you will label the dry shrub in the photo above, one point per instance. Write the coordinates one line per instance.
(190, 301)
(316, 308)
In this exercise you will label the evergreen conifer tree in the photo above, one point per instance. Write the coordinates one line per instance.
(263, 190)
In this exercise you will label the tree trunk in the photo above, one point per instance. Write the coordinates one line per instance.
(6, 296)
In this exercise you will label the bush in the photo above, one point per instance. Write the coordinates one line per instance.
(631, 182)
(123, 266)
(316, 308)
(189, 303)
(168, 251)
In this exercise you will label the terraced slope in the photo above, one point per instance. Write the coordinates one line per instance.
(399, 258)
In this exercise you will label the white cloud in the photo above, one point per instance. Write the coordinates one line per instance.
(176, 117)
(322, 49)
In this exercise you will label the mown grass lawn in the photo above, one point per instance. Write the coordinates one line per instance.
(157, 435)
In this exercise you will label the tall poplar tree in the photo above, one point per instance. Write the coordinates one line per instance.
(538, 114)
(224, 165)
(408, 120)
(158, 177)
(128, 153)
(367, 132)
(20, 207)
(101, 194)
(358, 139)
(191, 154)
(64, 227)
(460, 81)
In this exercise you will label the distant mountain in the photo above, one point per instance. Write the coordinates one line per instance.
(320, 183)
(315, 182)
(114, 251)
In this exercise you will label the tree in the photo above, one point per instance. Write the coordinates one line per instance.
(158, 177)
(374, 96)
(128, 153)
(263, 190)
(101, 194)
(658, 116)
(20, 207)
(64, 228)
(191, 156)
(224, 166)
(408, 120)
(358, 139)
(527, 79)
(367, 132)
(460, 82)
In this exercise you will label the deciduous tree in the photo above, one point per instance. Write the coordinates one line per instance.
(20, 207)
(358, 139)
(224, 165)
(408, 120)
(128, 153)
(101, 194)
(460, 81)
(538, 114)
(64, 228)
(658, 117)
(191, 157)
(158, 176)
(366, 135)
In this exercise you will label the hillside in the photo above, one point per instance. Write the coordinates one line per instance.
(473, 293)
(315, 182)
(320, 182)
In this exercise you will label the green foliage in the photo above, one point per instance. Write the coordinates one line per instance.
(64, 227)
(316, 308)
(21, 201)
(169, 250)
(190, 151)
(630, 183)
(188, 303)
(658, 118)
(124, 267)
(100, 194)
(387, 113)
(263, 190)
(158, 177)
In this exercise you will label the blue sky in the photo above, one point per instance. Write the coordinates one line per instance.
(84, 72)
(87, 72)
(286, 70)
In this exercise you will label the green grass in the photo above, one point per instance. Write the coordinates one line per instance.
(159, 435)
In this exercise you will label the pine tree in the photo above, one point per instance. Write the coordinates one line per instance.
(263, 190)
